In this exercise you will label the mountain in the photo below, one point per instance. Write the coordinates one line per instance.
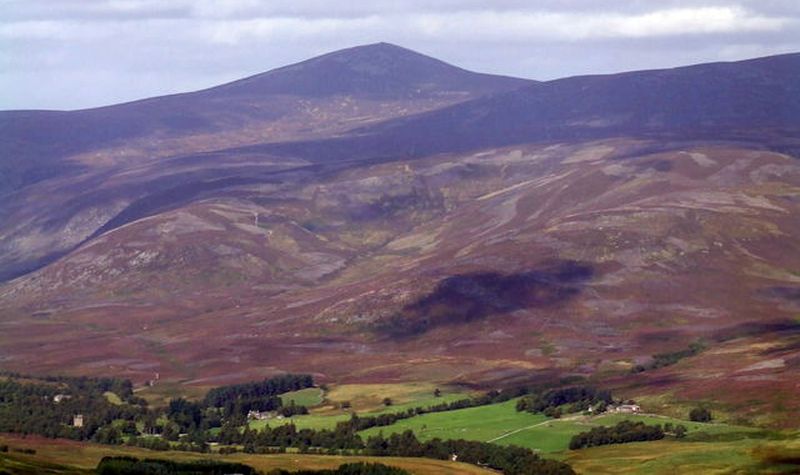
(321, 97)
(381, 69)
(327, 94)
(756, 100)
(466, 230)
(719, 100)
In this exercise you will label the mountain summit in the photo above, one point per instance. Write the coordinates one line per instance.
(380, 81)
(380, 68)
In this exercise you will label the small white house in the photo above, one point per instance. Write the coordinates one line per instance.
(629, 408)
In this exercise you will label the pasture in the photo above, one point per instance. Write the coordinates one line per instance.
(502, 424)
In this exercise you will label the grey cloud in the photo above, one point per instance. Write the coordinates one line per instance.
(70, 53)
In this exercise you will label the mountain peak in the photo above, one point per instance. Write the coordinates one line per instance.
(377, 68)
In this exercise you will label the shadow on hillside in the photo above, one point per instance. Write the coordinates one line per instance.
(469, 297)
(774, 328)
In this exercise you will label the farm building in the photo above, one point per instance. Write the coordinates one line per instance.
(628, 408)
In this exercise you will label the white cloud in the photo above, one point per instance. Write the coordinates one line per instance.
(235, 31)
(523, 26)
(180, 44)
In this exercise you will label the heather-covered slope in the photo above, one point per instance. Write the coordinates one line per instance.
(574, 227)
(755, 101)
(321, 97)
(501, 264)
(318, 97)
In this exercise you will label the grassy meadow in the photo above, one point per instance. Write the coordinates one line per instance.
(502, 424)
(364, 399)
(667, 457)
(308, 397)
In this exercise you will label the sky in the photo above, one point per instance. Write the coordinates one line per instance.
(71, 54)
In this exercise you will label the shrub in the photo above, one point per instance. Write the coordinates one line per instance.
(700, 414)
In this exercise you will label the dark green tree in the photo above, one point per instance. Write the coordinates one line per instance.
(700, 414)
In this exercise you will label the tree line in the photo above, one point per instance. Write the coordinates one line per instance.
(667, 359)
(624, 432)
(34, 408)
(239, 399)
(124, 465)
(358, 468)
(574, 399)
(343, 440)
(47, 405)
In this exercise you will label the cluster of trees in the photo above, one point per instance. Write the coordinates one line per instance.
(574, 399)
(700, 414)
(359, 468)
(623, 432)
(121, 387)
(32, 408)
(510, 460)
(123, 465)
(258, 396)
(285, 436)
(30, 405)
(133, 466)
(666, 359)
(232, 403)
(293, 410)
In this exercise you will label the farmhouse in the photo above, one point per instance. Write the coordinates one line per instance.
(258, 415)
(628, 408)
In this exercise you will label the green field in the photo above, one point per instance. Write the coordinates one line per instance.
(482, 423)
(368, 398)
(308, 397)
(312, 421)
(502, 424)
(556, 434)
(365, 399)
(742, 456)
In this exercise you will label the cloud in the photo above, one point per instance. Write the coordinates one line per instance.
(548, 26)
(184, 44)
(501, 26)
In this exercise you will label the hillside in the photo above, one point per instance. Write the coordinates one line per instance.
(465, 230)
(321, 97)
